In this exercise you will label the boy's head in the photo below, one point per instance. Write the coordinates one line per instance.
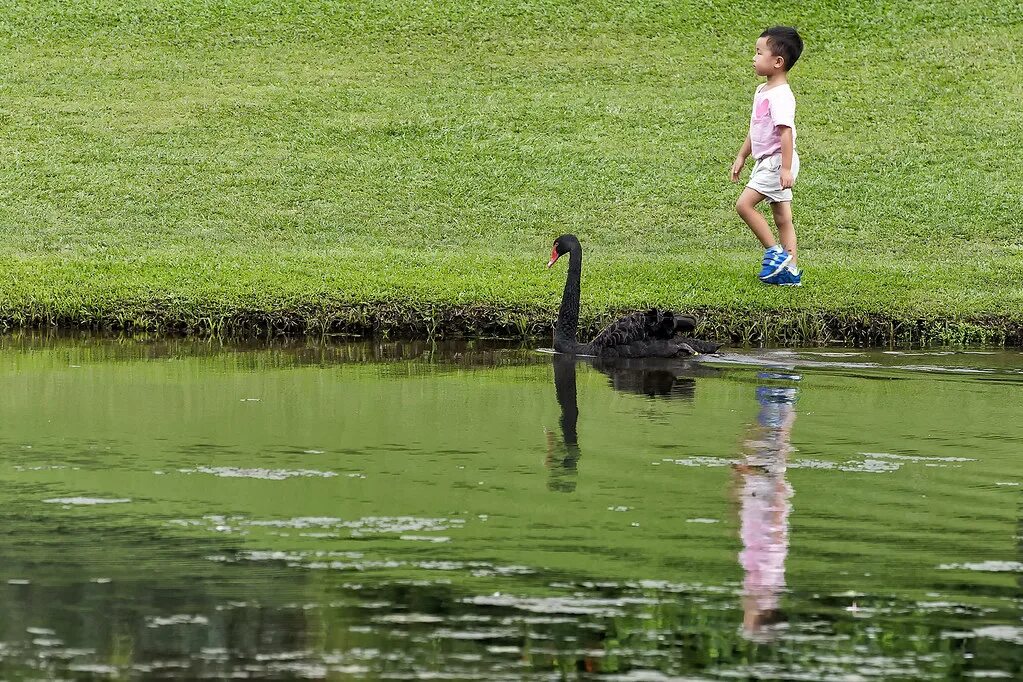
(778, 48)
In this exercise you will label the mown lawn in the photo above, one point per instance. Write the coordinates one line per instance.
(167, 162)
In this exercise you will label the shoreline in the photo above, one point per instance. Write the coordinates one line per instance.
(392, 320)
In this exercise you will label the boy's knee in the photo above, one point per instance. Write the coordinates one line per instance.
(783, 220)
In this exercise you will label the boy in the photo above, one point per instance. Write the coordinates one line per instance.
(772, 142)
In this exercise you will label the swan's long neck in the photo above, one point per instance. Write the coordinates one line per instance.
(568, 315)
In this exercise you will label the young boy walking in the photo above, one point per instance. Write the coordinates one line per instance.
(772, 143)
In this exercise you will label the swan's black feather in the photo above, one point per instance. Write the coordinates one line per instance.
(652, 325)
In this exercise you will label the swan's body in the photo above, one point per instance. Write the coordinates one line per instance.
(654, 333)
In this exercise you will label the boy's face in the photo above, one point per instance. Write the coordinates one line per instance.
(765, 63)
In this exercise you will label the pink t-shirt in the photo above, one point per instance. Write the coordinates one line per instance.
(771, 108)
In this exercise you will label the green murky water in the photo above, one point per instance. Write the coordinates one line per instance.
(182, 509)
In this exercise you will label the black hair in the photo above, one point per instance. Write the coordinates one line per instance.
(785, 42)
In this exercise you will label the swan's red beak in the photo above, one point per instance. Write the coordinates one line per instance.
(554, 256)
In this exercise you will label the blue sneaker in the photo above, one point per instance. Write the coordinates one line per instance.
(786, 277)
(775, 258)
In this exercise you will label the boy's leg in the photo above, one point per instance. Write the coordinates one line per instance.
(782, 211)
(746, 207)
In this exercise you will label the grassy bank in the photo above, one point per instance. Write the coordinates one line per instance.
(244, 167)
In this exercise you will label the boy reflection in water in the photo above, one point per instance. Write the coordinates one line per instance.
(763, 496)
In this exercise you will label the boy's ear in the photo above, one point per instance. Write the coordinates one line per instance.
(779, 62)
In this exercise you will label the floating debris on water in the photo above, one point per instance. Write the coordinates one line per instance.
(86, 500)
(493, 633)
(987, 566)
(917, 458)
(563, 605)
(408, 618)
(826, 354)
(873, 463)
(1005, 633)
(40, 631)
(181, 619)
(702, 461)
(425, 538)
(47, 641)
(267, 474)
(326, 527)
(97, 668)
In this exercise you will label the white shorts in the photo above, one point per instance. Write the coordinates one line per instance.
(766, 177)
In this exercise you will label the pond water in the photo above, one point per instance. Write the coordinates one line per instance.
(186, 509)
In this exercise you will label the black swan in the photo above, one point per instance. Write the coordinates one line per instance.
(654, 333)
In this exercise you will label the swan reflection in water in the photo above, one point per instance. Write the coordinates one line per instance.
(667, 378)
(763, 495)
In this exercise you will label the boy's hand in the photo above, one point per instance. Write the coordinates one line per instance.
(786, 178)
(737, 168)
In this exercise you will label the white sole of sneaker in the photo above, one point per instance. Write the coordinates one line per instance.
(781, 284)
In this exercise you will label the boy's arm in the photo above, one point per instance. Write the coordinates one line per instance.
(786, 156)
(740, 159)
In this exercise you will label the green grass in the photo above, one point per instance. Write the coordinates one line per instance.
(252, 166)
